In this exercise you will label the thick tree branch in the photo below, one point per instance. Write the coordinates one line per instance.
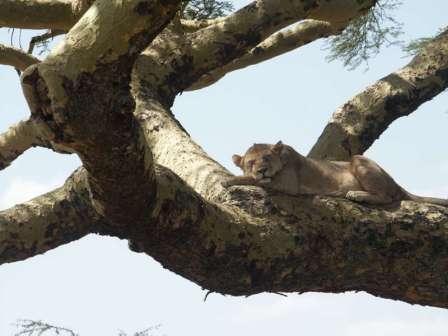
(255, 243)
(86, 79)
(20, 137)
(173, 148)
(48, 221)
(275, 45)
(358, 123)
(37, 14)
(16, 57)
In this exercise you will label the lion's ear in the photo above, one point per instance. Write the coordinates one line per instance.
(277, 148)
(237, 160)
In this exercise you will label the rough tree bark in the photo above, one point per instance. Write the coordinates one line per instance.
(105, 93)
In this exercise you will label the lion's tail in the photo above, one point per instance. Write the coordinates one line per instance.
(423, 199)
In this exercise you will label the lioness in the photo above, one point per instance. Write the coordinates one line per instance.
(281, 168)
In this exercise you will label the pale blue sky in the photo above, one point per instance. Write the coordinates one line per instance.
(97, 286)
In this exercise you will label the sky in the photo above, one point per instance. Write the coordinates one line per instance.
(97, 286)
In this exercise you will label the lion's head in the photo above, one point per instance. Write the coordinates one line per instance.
(261, 161)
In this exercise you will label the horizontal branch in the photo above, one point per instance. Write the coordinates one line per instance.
(254, 242)
(275, 45)
(16, 57)
(48, 221)
(355, 126)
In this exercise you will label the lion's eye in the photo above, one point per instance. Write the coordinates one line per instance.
(251, 163)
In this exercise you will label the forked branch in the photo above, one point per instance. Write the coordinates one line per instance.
(229, 39)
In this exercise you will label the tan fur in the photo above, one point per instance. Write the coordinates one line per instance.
(281, 168)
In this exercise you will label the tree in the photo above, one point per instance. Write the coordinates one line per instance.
(39, 328)
(144, 179)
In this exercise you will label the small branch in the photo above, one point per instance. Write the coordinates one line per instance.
(20, 137)
(42, 38)
(355, 126)
(277, 44)
(16, 57)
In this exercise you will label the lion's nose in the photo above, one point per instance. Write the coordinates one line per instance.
(262, 170)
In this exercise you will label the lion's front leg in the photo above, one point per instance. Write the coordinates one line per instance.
(241, 180)
(366, 197)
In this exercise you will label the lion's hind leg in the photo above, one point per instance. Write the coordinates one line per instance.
(378, 187)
